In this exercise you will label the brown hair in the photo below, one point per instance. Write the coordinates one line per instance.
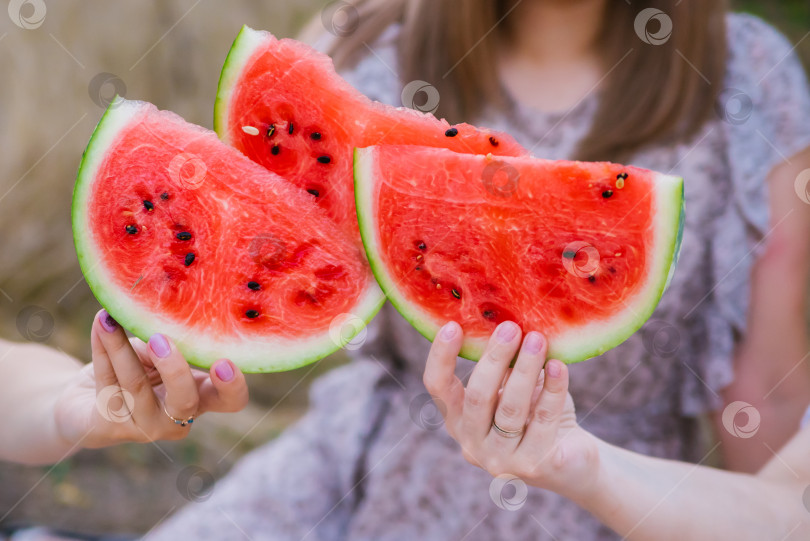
(654, 92)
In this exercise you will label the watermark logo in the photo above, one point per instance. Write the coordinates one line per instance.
(580, 259)
(500, 179)
(340, 19)
(348, 331)
(27, 14)
(188, 170)
(649, 17)
(508, 492)
(35, 323)
(731, 417)
(802, 186)
(427, 412)
(661, 338)
(115, 404)
(104, 87)
(421, 96)
(267, 250)
(734, 106)
(195, 484)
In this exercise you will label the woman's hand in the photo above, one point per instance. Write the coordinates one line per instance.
(129, 390)
(539, 439)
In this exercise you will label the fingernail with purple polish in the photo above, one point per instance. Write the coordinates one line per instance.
(159, 345)
(107, 321)
(224, 370)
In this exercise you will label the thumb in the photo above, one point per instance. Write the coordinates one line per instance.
(226, 390)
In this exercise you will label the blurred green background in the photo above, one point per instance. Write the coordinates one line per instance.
(169, 53)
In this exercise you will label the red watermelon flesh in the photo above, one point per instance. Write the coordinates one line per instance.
(580, 251)
(179, 233)
(283, 105)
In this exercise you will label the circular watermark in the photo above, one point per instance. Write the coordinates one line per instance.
(734, 106)
(580, 259)
(188, 170)
(195, 484)
(802, 186)
(806, 498)
(730, 419)
(427, 412)
(500, 179)
(35, 323)
(645, 19)
(104, 87)
(267, 250)
(508, 492)
(27, 14)
(340, 19)
(115, 404)
(661, 338)
(421, 96)
(348, 331)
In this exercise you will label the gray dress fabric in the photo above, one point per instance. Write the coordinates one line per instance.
(370, 461)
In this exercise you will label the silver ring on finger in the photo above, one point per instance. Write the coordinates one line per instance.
(506, 433)
(181, 422)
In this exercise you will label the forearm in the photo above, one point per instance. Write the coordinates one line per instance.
(645, 498)
(31, 378)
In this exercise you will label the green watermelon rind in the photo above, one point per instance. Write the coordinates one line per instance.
(245, 44)
(257, 356)
(583, 343)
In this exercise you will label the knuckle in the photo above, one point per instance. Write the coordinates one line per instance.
(509, 410)
(474, 398)
(543, 416)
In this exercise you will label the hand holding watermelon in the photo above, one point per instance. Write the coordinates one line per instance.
(517, 421)
(134, 391)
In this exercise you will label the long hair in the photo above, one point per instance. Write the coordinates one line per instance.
(658, 87)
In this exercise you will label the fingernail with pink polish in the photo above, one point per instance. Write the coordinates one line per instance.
(107, 321)
(449, 331)
(533, 342)
(507, 331)
(553, 369)
(159, 345)
(224, 370)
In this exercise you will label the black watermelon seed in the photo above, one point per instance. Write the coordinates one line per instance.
(184, 235)
(493, 141)
(452, 132)
(290, 128)
(271, 129)
(131, 229)
(254, 286)
(314, 192)
(455, 293)
(189, 258)
(164, 196)
(315, 136)
(421, 245)
(488, 314)
(568, 254)
(607, 193)
(275, 150)
(418, 268)
(324, 159)
(591, 278)
(622, 176)
(148, 205)
(252, 314)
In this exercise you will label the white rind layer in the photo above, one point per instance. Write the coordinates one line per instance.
(572, 345)
(250, 353)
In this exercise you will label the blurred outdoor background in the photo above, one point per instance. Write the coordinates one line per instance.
(55, 83)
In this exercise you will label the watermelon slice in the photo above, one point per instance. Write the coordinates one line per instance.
(579, 251)
(179, 233)
(281, 103)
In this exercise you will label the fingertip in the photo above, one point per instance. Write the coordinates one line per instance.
(556, 373)
(106, 321)
(534, 343)
(224, 370)
(160, 346)
(449, 331)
